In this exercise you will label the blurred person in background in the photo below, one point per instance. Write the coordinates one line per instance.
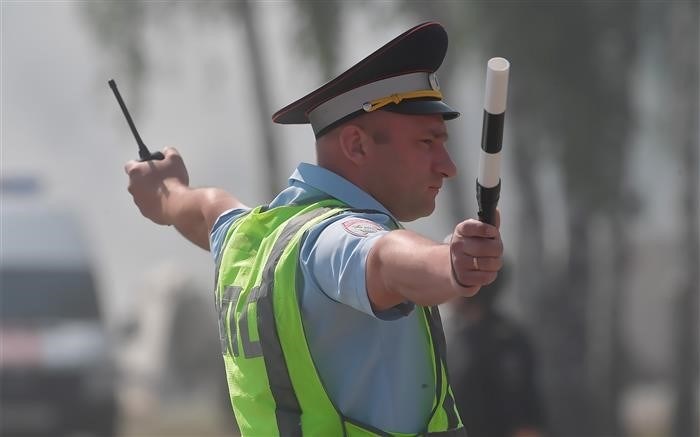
(493, 367)
(327, 306)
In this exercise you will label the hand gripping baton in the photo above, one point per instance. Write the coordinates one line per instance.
(488, 182)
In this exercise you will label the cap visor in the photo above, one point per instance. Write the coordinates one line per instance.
(423, 107)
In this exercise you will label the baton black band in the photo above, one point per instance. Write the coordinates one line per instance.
(492, 132)
(487, 199)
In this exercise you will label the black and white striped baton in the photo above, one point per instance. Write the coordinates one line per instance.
(488, 182)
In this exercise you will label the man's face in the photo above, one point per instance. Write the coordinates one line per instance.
(408, 162)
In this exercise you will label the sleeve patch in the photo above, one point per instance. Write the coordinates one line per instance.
(361, 227)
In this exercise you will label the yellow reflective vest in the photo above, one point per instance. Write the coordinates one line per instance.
(274, 387)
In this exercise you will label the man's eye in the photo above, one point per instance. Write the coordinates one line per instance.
(427, 142)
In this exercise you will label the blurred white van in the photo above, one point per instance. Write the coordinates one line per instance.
(56, 366)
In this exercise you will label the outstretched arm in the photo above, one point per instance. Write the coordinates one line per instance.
(403, 265)
(162, 193)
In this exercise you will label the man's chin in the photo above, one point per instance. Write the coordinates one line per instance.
(417, 213)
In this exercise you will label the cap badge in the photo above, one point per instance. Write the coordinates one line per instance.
(434, 84)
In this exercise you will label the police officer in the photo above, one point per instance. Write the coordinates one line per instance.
(327, 306)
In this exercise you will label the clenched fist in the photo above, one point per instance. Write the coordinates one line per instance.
(152, 182)
(476, 252)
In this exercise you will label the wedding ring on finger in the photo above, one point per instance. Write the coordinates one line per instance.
(475, 263)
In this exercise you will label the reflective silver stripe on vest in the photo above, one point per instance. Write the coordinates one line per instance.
(432, 314)
(288, 411)
(251, 349)
(449, 403)
(449, 406)
(229, 297)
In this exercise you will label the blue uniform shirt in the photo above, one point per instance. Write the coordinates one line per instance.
(376, 367)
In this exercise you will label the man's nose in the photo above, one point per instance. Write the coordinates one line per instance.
(445, 165)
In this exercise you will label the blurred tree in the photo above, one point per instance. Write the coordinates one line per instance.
(318, 32)
(570, 100)
(242, 10)
(682, 51)
(120, 27)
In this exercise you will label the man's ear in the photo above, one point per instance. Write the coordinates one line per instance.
(354, 142)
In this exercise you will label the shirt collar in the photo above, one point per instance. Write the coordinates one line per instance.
(336, 186)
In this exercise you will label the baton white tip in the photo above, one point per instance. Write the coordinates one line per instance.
(497, 71)
(498, 64)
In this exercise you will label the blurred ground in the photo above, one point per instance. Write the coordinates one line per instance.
(182, 418)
